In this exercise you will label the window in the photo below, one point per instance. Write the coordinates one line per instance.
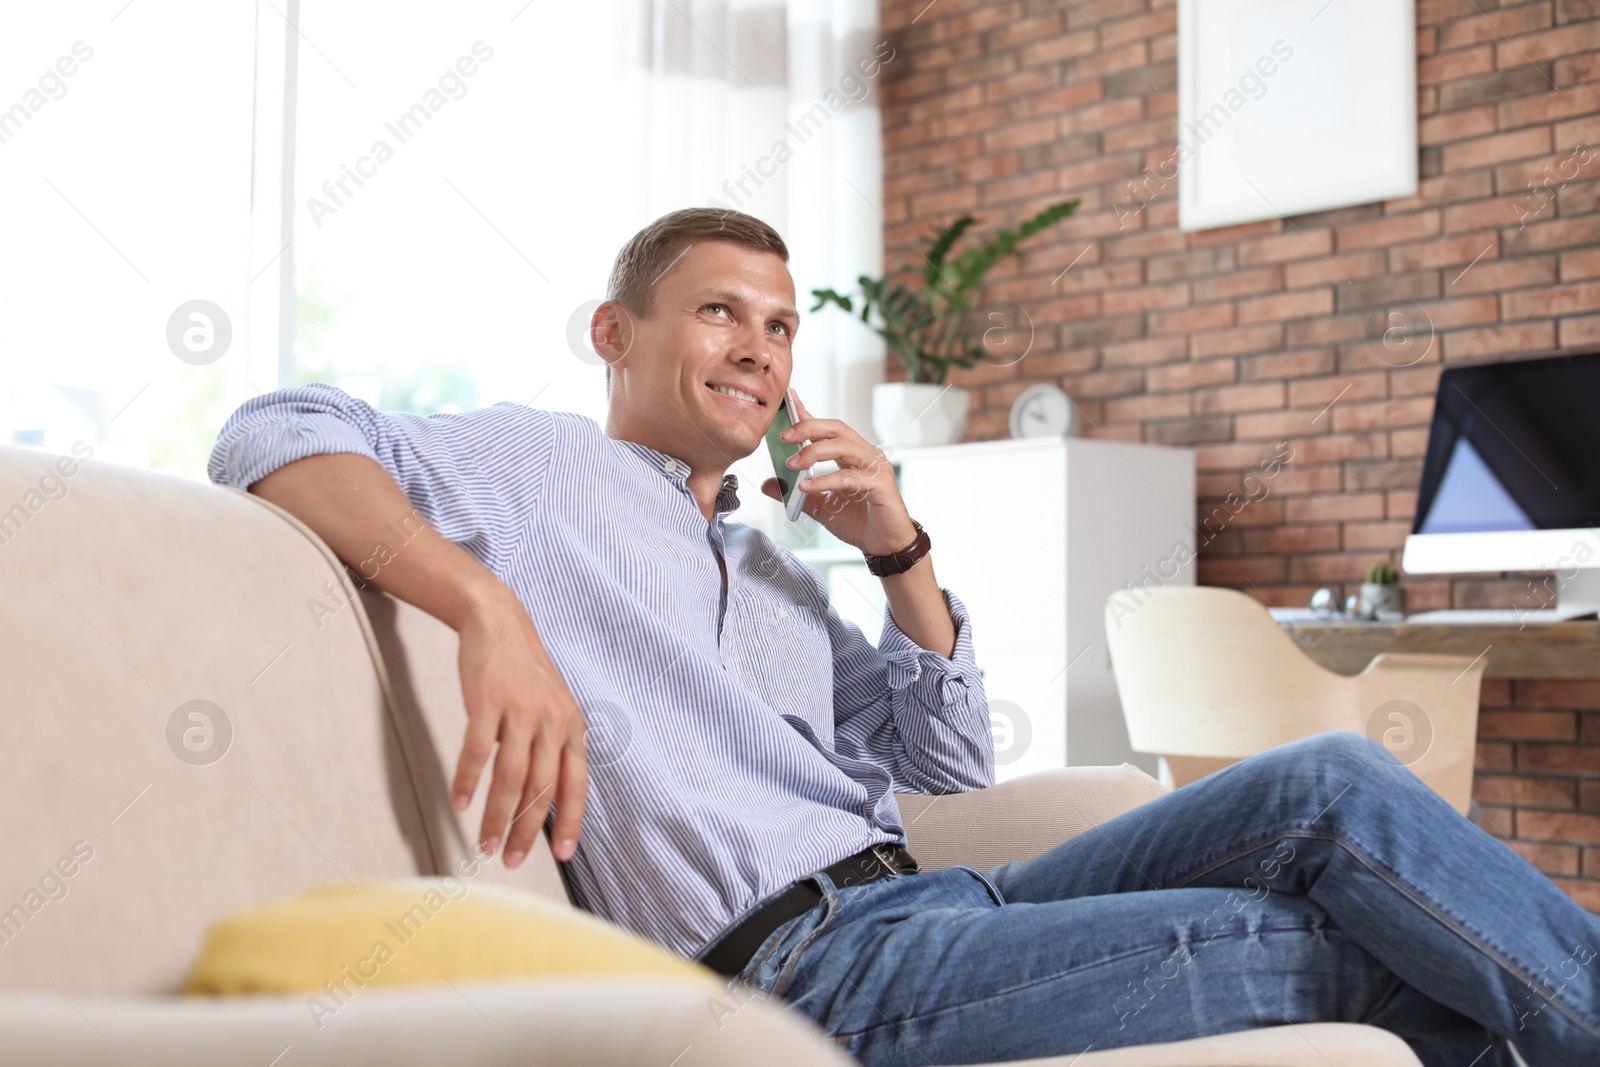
(455, 208)
(418, 203)
(125, 162)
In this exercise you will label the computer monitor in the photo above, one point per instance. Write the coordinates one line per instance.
(1511, 480)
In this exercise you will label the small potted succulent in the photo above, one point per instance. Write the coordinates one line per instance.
(1381, 593)
(926, 328)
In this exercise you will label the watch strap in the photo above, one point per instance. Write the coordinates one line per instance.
(903, 560)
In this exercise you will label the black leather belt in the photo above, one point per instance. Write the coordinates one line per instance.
(732, 953)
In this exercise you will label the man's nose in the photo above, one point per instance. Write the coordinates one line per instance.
(750, 346)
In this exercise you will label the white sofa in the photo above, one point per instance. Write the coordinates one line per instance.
(126, 596)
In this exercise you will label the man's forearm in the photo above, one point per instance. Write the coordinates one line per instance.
(919, 609)
(353, 504)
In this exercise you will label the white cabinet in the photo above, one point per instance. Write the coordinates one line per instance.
(1033, 536)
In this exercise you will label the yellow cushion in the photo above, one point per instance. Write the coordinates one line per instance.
(337, 938)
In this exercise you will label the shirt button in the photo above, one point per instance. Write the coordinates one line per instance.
(670, 466)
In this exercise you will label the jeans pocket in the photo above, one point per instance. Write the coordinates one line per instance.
(784, 969)
(990, 887)
(753, 974)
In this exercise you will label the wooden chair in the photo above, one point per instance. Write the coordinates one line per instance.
(1207, 678)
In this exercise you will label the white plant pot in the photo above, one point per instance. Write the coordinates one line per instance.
(1376, 599)
(917, 414)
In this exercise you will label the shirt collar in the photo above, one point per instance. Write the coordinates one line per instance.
(676, 471)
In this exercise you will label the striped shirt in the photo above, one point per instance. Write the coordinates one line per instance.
(738, 740)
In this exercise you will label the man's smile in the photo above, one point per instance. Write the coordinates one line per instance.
(738, 396)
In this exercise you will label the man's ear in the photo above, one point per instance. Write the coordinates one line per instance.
(611, 331)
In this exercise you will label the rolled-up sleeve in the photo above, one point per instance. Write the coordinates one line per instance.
(276, 429)
(920, 713)
(474, 477)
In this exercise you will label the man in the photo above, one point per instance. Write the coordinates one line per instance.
(736, 795)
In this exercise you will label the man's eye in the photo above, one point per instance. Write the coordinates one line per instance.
(719, 307)
(782, 326)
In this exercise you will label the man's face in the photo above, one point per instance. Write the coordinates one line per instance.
(723, 317)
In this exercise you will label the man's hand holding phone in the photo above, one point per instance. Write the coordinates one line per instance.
(859, 503)
(780, 448)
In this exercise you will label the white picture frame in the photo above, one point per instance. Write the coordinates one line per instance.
(1292, 106)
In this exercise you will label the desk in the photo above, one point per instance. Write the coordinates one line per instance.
(1531, 650)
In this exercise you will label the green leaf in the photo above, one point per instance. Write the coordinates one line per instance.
(926, 328)
(973, 264)
(828, 296)
(932, 272)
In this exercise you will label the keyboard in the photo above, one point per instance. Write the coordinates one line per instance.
(1498, 616)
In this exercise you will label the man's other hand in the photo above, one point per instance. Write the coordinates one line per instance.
(516, 699)
(514, 695)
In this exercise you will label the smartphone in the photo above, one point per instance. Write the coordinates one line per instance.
(780, 450)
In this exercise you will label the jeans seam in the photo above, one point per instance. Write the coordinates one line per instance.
(1466, 933)
(1455, 925)
(1205, 866)
(1059, 975)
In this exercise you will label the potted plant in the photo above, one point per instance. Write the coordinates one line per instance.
(926, 329)
(1381, 593)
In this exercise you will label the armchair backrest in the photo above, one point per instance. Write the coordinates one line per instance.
(181, 732)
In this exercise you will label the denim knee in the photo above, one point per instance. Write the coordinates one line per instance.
(1355, 757)
(1344, 754)
(1349, 746)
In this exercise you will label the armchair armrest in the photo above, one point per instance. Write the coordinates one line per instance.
(1019, 819)
(497, 1023)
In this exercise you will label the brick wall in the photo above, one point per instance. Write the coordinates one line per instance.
(1235, 340)
(1537, 782)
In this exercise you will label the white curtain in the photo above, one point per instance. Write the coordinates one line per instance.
(771, 108)
(465, 264)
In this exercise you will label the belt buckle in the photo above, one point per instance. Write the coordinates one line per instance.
(886, 856)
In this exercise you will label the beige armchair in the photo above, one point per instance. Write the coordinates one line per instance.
(1206, 678)
(333, 720)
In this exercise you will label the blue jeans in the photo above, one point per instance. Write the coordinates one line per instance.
(1320, 881)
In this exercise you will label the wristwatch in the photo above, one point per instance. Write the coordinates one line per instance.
(903, 560)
